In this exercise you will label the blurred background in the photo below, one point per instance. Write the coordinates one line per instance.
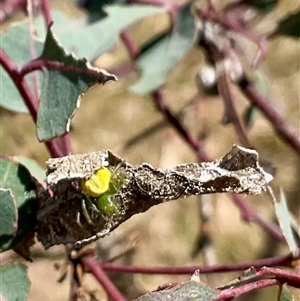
(168, 235)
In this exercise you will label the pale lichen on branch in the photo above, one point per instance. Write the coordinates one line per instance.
(65, 216)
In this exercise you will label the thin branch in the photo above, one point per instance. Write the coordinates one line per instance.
(229, 294)
(230, 115)
(170, 6)
(283, 129)
(289, 277)
(12, 69)
(39, 64)
(9, 7)
(249, 215)
(46, 12)
(173, 120)
(132, 48)
(283, 260)
(261, 41)
(92, 266)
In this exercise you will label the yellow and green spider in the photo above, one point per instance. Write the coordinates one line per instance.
(99, 193)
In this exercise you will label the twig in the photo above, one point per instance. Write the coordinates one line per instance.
(12, 69)
(93, 266)
(9, 7)
(132, 48)
(47, 12)
(170, 6)
(39, 64)
(229, 294)
(284, 130)
(289, 277)
(261, 41)
(230, 114)
(173, 120)
(249, 215)
(283, 260)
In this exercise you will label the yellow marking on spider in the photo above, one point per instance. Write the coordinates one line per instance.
(97, 184)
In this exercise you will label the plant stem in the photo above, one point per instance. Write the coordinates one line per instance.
(231, 293)
(91, 265)
(284, 130)
(12, 69)
(283, 260)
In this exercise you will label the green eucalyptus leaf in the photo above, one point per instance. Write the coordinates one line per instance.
(192, 290)
(62, 89)
(8, 213)
(16, 179)
(35, 169)
(16, 43)
(167, 50)
(14, 284)
(90, 40)
(284, 220)
(284, 294)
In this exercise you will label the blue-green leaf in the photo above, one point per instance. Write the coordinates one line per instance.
(284, 294)
(8, 213)
(157, 61)
(35, 169)
(90, 40)
(191, 290)
(14, 282)
(16, 179)
(16, 43)
(62, 89)
(284, 220)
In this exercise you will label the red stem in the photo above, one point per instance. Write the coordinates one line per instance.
(91, 265)
(289, 277)
(213, 16)
(47, 12)
(132, 48)
(249, 215)
(39, 64)
(284, 130)
(173, 120)
(283, 260)
(12, 69)
(170, 6)
(231, 293)
(10, 7)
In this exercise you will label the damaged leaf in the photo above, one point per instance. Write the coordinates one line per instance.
(70, 215)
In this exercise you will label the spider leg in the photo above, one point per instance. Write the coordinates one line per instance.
(81, 243)
(85, 211)
(78, 219)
